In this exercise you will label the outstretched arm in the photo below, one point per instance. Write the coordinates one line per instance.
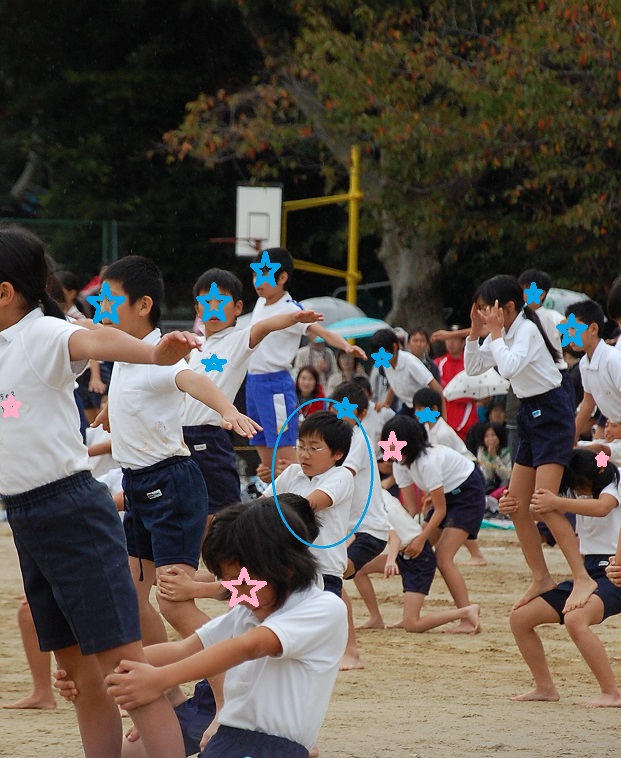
(336, 341)
(261, 329)
(108, 344)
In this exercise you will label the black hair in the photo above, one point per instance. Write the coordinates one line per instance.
(315, 374)
(614, 300)
(253, 535)
(583, 471)
(497, 402)
(506, 289)
(68, 280)
(501, 433)
(412, 432)
(354, 393)
(384, 338)
(226, 281)
(542, 280)
(335, 432)
(25, 265)
(341, 353)
(139, 276)
(589, 312)
(364, 382)
(427, 398)
(282, 256)
(419, 330)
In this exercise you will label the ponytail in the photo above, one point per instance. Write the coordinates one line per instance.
(531, 315)
(51, 307)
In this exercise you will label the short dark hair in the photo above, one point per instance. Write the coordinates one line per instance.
(139, 277)
(253, 535)
(419, 330)
(335, 432)
(614, 300)
(384, 338)
(499, 429)
(282, 256)
(542, 280)
(68, 279)
(364, 382)
(354, 393)
(583, 471)
(589, 312)
(408, 430)
(226, 281)
(427, 398)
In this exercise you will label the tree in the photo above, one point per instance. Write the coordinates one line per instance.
(489, 131)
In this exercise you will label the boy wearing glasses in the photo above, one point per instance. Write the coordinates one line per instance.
(320, 477)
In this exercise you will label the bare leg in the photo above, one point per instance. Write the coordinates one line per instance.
(42, 696)
(522, 486)
(476, 556)
(447, 546)
(351, 658)
(413, 622)
(184, 617)
(549, 477)
(367, 592)
(590, 646)
(151, 624)
(523, 621)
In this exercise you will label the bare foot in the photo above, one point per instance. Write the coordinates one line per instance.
(473, 616)
(605, 700)
(43, 703)
(479, 561)
(539, 694)
(372, 624)
(464, 627)
(351, 662)
(397, 625)
(314, 753)
(582, 591)
(536, 588)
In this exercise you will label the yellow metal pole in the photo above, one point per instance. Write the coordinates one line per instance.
(353, 233)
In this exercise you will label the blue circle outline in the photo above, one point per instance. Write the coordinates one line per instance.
(275, 496)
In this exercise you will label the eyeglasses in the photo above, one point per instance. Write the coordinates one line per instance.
(310, 450)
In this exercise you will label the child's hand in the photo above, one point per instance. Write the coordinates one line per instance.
(66, 688)
(101, 419)
(241, 424)
(507, 504)
(96, 385)
(356, 351)
(264, 473)
(391, 569)
(477, 320)
(495, 319)
(543, 501)
(173, 347)
(613, 572)
(175, 585)
(416, 546)
(307, 317)
(134, 684)
(209, 732)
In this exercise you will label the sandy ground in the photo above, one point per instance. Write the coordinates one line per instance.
(421, 696)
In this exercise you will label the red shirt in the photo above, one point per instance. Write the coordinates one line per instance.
(460, 414)
(313, 407)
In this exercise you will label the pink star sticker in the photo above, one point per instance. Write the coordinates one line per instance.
(243, 578)
(392, 447)
(10, 406)
(602, 459)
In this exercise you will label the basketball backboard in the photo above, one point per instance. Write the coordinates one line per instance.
(259, 211)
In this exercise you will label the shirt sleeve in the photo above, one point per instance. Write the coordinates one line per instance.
(584, 375)
(338, 484)
(402, 475)
(478, 359)
(53, 365)
(430, 466)
(163, 378)
(358, 456)
(218, 629)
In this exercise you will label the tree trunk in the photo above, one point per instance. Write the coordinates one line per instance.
(414, 271)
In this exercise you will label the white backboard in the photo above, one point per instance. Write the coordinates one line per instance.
(259, 211)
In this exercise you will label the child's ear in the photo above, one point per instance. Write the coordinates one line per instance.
(239, 307)
(146, 305)
(362, 415)
(282, 282)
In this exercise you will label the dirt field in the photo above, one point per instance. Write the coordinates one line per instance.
(421, 696)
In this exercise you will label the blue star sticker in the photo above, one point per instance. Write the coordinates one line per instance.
(381, 358)
(533, 294)
(345, 409)
(572, 324)
(205, 301)
(112, 303)
(213, 363)
(427, 415)
(258, 269)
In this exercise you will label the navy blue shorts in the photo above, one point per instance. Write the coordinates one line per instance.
(270, 399)
(363, 549)
(166, 512)
(229, 742)
(212, 450)
(72, 554)
(195, 715)
(546, 428)
(333, 584)
(606, 590)
(417, 573)
(465, 505)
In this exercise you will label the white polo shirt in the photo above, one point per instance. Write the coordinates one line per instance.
(43, 444)
(358, 460)
(521, 356)
(287, 695)
(373, 423)
(601, 377)
(145, 408)
(234, 345)
(599, 535)
(406, 527)
(409, 375)
(437, 467)
(277, 351)
(338, 483)
(443, 434)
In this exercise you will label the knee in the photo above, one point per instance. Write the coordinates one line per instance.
(173, 612)
(519, 622)
(576, 623)
(24, 614)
